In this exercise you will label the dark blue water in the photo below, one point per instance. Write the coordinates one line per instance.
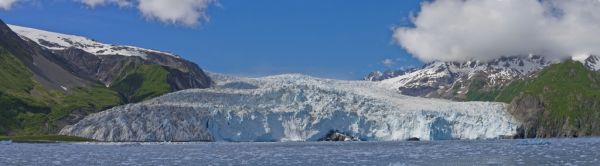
(583, 151)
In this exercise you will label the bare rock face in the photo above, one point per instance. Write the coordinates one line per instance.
(107, 68)
(528, 110)
(537, 121)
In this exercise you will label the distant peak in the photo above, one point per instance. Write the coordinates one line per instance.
(580, 57)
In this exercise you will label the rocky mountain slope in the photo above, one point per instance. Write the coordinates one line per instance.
(44, 65)
(561, 101)
(294, 108)
(44, 88)
(37, 93)
(115, 65)
(463, 81)
(591, 62)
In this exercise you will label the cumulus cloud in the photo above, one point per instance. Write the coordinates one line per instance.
(459, 30)
(7, 4)
(185, 12)
(388, 62)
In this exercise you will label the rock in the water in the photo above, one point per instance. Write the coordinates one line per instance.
(413, 139)
(336, 135)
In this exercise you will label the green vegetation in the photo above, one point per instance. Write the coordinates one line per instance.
(46, 138)
(478, 93)
(563, 87)
(15, 88)
(88, 99)
(27, 108)
(570, 93)
(142, 82)
(560, 83)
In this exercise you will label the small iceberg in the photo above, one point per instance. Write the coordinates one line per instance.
(534, 142)
(8, 142)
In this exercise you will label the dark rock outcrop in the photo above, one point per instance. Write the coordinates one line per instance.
(107, 68)
(539, 122)
(528, 110)
(413, 139)
(336, 135)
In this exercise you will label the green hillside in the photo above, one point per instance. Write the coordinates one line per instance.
(15, 86)
(27, 108)
(571, 98)
(141, 82)
(562, 100)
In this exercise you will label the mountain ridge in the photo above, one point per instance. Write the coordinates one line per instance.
(105, 62)
(44, 88)
(453, 80)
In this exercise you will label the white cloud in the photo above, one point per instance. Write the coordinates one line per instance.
(7, 4)
(459, 30)
(388, 62)
(94, 3)
(186, 12)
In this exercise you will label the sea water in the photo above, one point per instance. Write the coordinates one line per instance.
(582, 151)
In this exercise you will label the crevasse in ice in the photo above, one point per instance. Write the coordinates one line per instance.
(294, 108)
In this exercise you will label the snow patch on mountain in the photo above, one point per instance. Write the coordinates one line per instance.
(58, 41)
(379, 76)
(438, 78)
(294, 108)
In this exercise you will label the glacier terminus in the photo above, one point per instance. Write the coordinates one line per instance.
(294, 107)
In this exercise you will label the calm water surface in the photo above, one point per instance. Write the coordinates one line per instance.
(583, 151)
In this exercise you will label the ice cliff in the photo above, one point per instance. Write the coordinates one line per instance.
(294, 108)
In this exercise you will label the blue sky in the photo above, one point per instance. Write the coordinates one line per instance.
(342, 39)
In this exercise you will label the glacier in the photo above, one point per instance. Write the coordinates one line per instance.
(294, 107)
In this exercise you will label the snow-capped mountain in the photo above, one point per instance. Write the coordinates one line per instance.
(294, 108)
(58, 41)
(108, 63)
(453, 80)
(591, 62)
